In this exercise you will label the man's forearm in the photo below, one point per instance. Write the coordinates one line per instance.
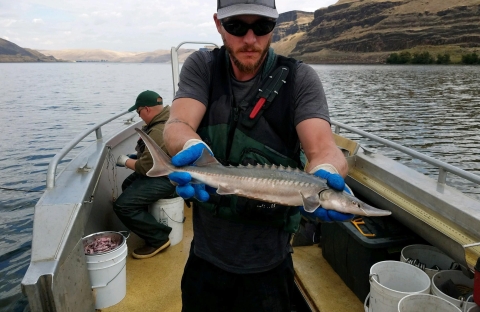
(176, 133)
(185, 117)
(332, 157)
(319, 146)
(130, 164)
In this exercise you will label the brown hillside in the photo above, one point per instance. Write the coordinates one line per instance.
(93, 55)
(98, 55)
(12, 53)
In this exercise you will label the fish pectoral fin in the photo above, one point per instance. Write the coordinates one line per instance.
(195, 181)
(158, 172)
(310, 203)
(206, 160)
(222, 190)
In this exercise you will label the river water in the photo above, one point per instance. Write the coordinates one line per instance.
(432, 109)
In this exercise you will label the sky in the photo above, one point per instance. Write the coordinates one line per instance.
(118, 25)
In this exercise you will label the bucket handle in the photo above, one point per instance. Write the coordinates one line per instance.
(99, 286)
(370, 277)
(125, 234)
(183, 221)
(365, 306)
(464, 303)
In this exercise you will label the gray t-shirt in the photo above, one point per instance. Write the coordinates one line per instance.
(235, 247)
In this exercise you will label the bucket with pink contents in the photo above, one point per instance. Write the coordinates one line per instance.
(106, 257)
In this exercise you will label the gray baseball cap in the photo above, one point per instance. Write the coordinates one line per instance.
(227, 8)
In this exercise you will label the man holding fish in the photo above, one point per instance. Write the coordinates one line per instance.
(247, 105)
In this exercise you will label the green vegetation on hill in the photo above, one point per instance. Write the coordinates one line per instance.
(425, 57)
(470, 59)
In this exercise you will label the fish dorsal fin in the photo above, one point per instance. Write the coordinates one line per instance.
(310, 203)
(206, 160)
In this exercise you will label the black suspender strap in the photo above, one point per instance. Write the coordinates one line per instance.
(266, 95)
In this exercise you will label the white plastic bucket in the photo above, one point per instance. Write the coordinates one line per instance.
(427, 255)
(425, 303)
(475, 308)
(170, 212)
(458, 278)
(107, 271)
(390, 281)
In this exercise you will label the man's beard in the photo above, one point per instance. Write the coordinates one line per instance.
(247, 68)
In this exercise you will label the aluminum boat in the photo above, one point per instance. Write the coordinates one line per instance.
(78, 202)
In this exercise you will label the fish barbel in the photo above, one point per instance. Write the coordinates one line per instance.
(273, 184)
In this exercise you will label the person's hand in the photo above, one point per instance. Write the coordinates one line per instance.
(192, 150)
(122, 160)
(334, 181)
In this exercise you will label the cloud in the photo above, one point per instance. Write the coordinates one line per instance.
(7, 22)
(121, 25)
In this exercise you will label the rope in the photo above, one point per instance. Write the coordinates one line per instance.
(111, 161)
(19, 190)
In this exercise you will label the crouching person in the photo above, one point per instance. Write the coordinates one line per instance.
(139, 190)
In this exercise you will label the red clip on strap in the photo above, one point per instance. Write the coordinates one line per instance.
(257, 107)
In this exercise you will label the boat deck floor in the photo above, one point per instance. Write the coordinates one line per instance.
(154, 284)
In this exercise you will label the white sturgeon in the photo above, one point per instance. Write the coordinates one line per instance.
(273, 184)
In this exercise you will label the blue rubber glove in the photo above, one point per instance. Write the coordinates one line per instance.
(192, 150)
(335, 181)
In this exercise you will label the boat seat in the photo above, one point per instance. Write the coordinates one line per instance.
(347, 146)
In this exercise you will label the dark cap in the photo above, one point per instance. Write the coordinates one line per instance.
(147, 98)
(227, 8)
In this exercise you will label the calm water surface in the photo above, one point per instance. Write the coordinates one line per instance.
(432, 109)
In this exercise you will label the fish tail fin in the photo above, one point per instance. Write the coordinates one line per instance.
(162, 165)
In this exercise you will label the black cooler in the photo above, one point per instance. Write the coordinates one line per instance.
(351, 248)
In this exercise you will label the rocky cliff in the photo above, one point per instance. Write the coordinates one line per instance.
(290, 23)
(368, 30)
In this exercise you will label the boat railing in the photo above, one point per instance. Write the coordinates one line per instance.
(52, 166)
(443, 167)
(175, 63)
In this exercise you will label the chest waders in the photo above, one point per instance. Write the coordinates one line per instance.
(261, 132)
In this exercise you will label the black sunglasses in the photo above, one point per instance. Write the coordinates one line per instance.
(238, 28)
